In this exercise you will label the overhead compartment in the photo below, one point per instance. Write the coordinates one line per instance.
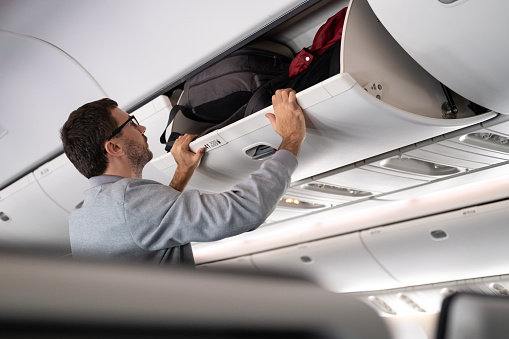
(381, 101)
(462, 244)
(464, 53)
(29, 219)
(40, 85)
(339, 264)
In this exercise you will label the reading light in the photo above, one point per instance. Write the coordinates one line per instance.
(499, 289)
(411, 303)
(292, 201)
(295, 203)
(381, 305)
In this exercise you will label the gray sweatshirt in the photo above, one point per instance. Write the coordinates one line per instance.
(143, 220)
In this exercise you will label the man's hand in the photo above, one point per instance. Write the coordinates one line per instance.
(288, 120)
(187, 161)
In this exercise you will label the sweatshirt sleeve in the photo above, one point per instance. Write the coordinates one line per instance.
(161, 217)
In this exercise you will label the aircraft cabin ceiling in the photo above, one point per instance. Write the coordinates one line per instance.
(56, 55)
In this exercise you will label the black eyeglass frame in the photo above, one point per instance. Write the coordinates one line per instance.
(119, 128)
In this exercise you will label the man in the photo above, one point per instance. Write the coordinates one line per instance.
(126, 217)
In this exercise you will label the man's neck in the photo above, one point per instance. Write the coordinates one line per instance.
(123, 168)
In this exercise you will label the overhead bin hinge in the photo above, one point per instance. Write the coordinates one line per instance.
(375, 89)
(449, 109)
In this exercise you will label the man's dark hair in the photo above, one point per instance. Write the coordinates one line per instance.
(84, 134)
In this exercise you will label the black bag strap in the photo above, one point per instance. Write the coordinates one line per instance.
(171, 140)
(263, 96)
(173, 113)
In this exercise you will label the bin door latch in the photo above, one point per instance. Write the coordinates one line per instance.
(260, 151)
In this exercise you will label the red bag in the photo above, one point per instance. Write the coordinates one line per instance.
(328, 34)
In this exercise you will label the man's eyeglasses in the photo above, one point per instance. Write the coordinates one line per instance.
(116, 131)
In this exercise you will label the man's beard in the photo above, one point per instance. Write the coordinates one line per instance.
(138, 155)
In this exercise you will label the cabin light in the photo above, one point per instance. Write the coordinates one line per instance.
(292, 201)
(381, 305)
(411, 303)
(336, 190)
(4, 217)
(295, 203)
(499, 289)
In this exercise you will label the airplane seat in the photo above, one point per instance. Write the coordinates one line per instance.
(467, 315)
(45, 297)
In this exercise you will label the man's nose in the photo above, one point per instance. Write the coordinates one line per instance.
(142, 129)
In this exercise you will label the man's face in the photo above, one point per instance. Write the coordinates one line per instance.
(133, 140)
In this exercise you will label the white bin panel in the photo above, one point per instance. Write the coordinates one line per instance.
(34, 220)
(462, 244)
(339, 264)
(62, 182)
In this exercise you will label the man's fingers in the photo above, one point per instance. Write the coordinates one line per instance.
(200, 153)
(284, 95)
(185, 139)
(271, 117)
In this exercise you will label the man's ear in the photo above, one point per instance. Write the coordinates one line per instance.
(113, 148)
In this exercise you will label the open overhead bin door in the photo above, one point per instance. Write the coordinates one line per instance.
(461, 43)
